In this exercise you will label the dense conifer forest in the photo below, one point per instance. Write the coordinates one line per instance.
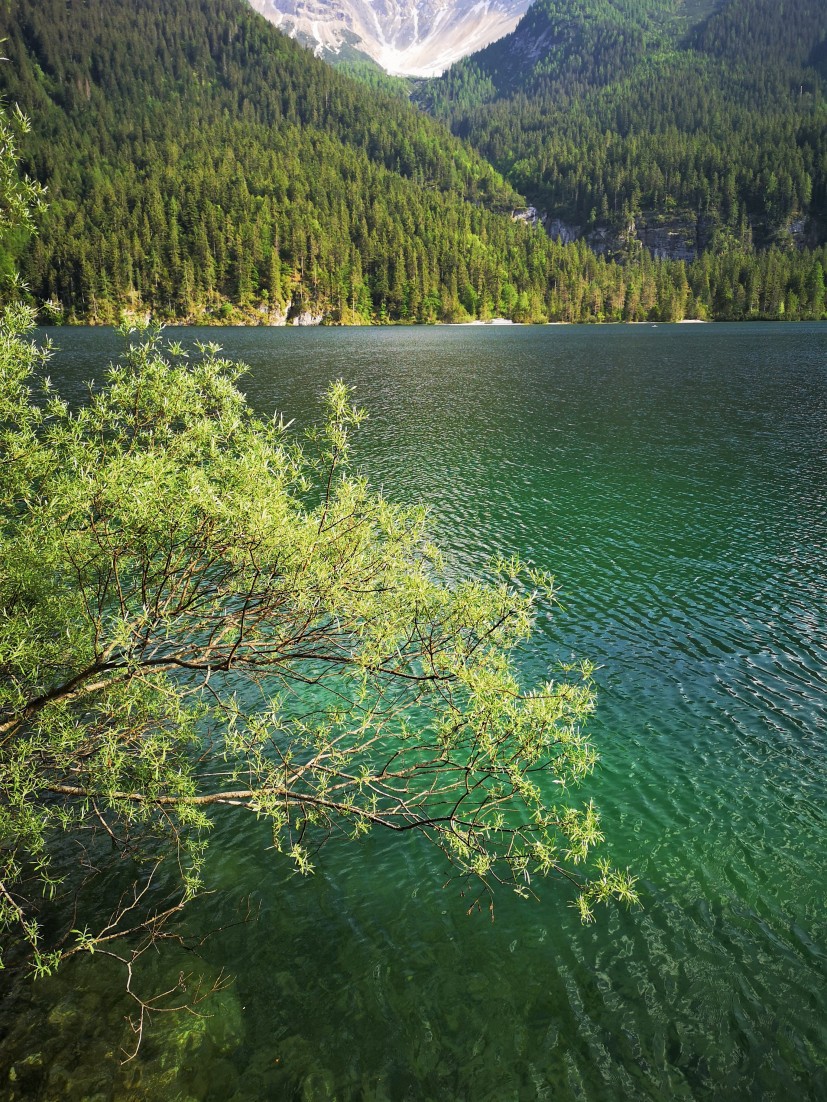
(626, 113)
(201, 166)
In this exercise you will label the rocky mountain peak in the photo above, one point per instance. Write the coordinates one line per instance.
(405, 37)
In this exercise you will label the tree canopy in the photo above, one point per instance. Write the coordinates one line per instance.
(198, 613)
(614, 115)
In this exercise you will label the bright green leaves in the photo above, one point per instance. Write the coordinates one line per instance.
(20, 198)
(199, 615)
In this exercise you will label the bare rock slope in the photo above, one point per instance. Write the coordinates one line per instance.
(405, 37)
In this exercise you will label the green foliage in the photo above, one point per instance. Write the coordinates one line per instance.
(366, 70)
(566, 43)
(20, 197)
(198, 614)
(763, 32)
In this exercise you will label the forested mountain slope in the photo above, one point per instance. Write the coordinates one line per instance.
(194, 155)
(617, 114)
(565, 44)
(202, 166)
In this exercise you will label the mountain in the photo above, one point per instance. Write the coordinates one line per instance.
(584, 42)
(202, 167)
(665, 123)
(198, 162)
(404, 37)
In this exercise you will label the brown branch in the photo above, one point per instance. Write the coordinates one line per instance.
(247, 797)
(70, 689)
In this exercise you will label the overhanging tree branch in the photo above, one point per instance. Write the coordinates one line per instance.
(198, 615)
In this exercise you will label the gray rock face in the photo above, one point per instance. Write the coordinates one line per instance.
(679, 239)
(406, 37)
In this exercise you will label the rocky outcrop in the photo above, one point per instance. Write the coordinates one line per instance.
(559, 230)
(307, 317)
(675, 239)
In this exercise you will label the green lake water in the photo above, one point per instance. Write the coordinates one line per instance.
(674, 480)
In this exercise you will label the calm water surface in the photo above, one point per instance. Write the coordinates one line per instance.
(674, 480)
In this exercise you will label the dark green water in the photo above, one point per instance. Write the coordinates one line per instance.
(674, 479)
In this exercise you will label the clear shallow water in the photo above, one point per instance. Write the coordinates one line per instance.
(674, 480)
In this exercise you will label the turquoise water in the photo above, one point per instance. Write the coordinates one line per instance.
(674, 480)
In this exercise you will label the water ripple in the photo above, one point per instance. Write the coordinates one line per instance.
(675, 482)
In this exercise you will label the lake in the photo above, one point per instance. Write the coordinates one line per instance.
(674, 480)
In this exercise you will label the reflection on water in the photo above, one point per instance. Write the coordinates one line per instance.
(674, 480)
